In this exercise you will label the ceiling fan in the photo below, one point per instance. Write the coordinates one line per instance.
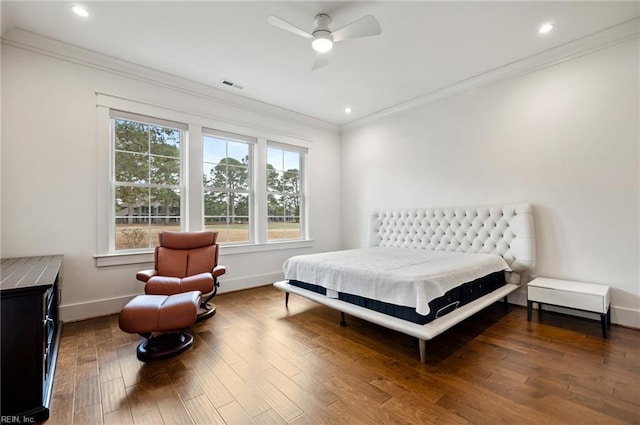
(322, 38)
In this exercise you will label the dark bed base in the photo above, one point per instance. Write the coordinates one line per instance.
(452, 299)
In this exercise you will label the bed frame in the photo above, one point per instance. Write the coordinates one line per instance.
(506, 230)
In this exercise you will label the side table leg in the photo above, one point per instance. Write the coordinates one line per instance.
(529, 308)
(603, 325)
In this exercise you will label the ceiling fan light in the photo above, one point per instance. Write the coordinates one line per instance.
(322, 41)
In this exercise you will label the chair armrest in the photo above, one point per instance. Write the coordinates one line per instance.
(219, 271)
(202, 282)
(163, 285)
(145, 275)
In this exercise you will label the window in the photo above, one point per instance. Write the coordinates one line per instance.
(284, 191)
(168, 169)
(228, 192)
(146, 180)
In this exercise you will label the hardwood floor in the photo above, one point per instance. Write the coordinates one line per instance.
(254, 362)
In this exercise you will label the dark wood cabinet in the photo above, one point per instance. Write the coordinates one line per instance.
(29, 296)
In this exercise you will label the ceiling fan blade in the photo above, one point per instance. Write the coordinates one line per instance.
(277, 22)
(322, 60)
(363, 27)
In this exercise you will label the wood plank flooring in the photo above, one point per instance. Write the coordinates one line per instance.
(255, 362)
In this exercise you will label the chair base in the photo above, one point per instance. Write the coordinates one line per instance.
(162, 346)
(206, 311)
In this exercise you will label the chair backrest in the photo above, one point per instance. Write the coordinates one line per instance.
(182, 254)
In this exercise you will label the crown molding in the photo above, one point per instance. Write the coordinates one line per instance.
(26, 40)
(591, 43)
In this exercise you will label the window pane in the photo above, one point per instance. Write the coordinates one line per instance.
(144, 232)
(274, 180)
(275, 206)
(208, 176)
(217, 224)
(131, 136)
(132, 236)
(213, 149)
(291, 206)
(292, 228)
(276, 228)
(238, 151)
(291, 181)
(238, 206)
(239, 230)
(164, 141)
(291, 160)
(164, 170)
(229, 174)
(237, 177)
(132, 167)
(216, 204)
(274, 158)
(129, 201)
(164, 202)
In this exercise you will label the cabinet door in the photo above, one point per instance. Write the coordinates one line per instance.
(22, 350)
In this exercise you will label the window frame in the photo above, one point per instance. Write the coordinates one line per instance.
(114, 115)
(302, 213)
(251, 143)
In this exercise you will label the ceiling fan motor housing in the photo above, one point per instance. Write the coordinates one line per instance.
(321, 22)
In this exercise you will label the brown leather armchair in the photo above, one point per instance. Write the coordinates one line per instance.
(184, 262)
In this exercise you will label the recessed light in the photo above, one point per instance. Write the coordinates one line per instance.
(80, 11)
(545, 28)
(347, 110)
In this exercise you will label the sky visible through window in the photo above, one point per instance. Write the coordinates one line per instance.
(215, 149)
(283, 160)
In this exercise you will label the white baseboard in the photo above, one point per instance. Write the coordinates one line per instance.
(626, 317)
(105, 307)
(91, 309)
(232, 285)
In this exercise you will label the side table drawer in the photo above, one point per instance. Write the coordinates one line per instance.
(580, 301)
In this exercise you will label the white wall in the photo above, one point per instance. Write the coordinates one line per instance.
(50, 158)
(564, 138)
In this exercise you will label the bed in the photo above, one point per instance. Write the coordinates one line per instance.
(425, 269)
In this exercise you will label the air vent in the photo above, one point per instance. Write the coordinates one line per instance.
(232, 84)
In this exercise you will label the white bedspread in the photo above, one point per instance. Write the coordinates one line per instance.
(402, 276)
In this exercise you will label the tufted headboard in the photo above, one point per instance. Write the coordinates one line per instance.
(506, 230)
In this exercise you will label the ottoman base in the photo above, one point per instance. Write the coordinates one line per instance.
(162, 320)
(163, 346)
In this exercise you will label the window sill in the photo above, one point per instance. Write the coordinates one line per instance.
(108, 260)
(271, 246)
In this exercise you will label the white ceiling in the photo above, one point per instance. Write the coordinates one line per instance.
(424, 46)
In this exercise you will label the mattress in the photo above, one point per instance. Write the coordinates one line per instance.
(438, 307)
(410, 278)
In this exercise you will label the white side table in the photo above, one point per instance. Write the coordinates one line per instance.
(576, 295)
